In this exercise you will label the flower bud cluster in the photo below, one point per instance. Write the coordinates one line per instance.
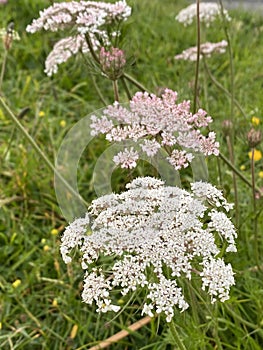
(154, 237)
(112, 62)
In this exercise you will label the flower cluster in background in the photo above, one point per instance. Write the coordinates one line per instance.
(157, 236)
(208, 13)
(154, 122)
(91, 18)
(206, 49)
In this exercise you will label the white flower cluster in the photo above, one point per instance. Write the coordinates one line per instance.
(208, 13)
(206, 49)
(85, 17)
(154, 236)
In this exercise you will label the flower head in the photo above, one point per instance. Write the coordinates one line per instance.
(208, 12)
(154, 122)
(206, 49)
(95, 19)
(154, 236)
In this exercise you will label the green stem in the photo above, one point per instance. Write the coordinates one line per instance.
(222, 88)
(231, 156)
(3, 70)
(255, 217)
(176, 337)
(115, 89)
(91, 50)
(236, 171)
(134, 82)
(101, 97)
(125, 86)
(39, 151)
(198, 56)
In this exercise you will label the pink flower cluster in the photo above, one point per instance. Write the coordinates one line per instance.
(81, 18)
(112, 62)
(154, 122)
(206, 49)
(86, 16)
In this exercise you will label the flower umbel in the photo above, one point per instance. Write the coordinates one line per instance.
(96, 20)
(154, 122)
(154, 236)
(206, 49)
(209, 12)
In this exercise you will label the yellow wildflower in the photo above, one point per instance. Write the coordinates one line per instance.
(46, 248)
(255, 121)
(63, 123)
(55, 302)
(242, 167)
(41, 114)
(54, 232)
(260, 174)
(16, 283)
(257, 155)
(74, 331)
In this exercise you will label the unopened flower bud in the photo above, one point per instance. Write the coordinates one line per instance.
(112, 62)
(254, 137)
(8, 35)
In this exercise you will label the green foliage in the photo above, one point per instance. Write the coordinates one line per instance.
(41, 312)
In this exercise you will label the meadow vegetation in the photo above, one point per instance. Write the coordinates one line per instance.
(40, 296)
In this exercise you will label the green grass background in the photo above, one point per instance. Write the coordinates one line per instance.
(29, 316)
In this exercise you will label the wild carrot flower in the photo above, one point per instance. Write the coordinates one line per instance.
(154, 122)
(209, 12)
(206, 49)
(95, 19)
(155, 237)
(127, 158)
